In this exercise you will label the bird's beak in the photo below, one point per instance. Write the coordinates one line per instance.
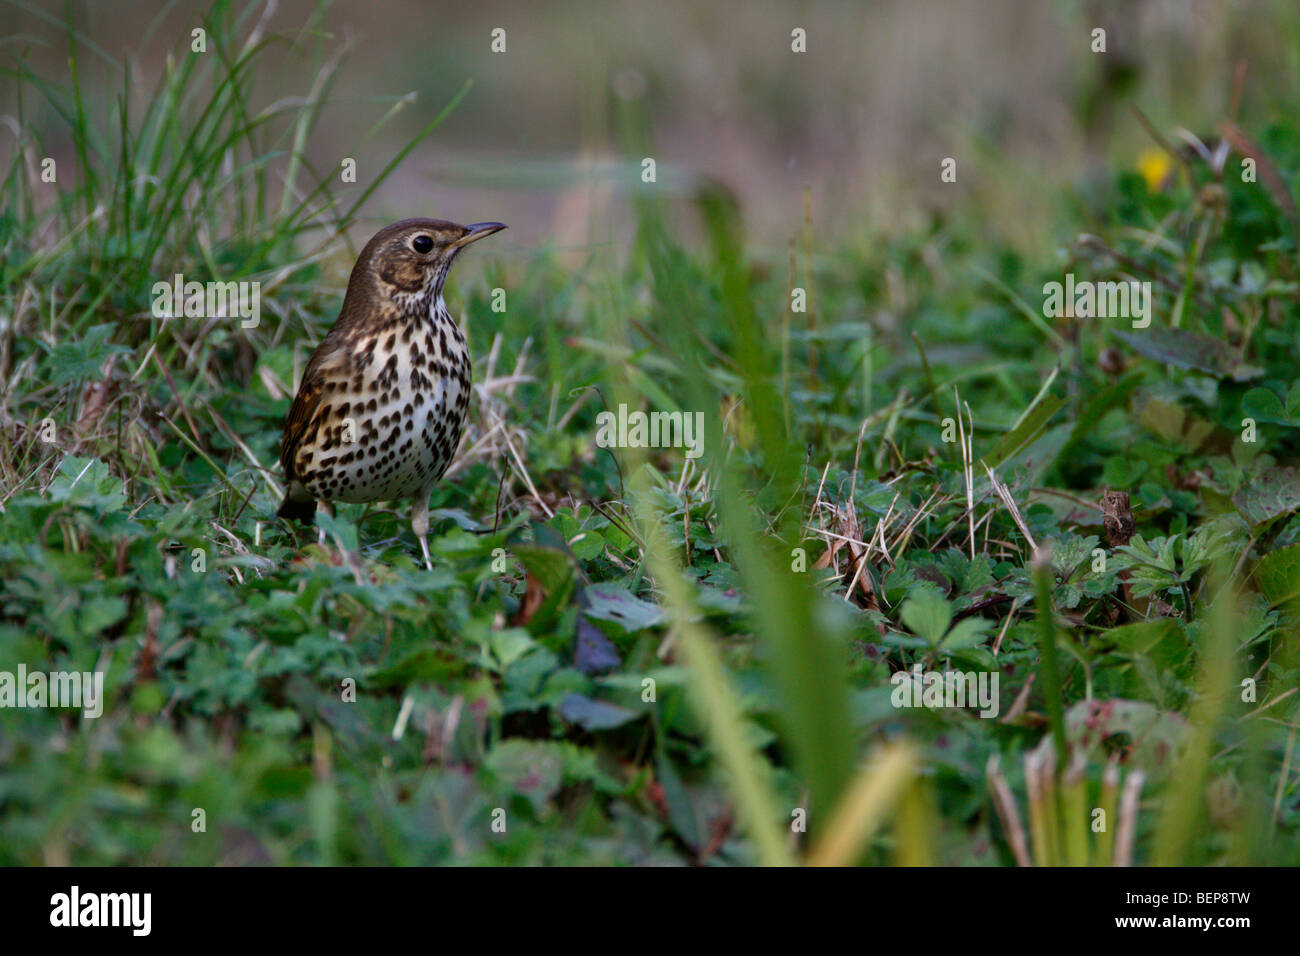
(477, 231)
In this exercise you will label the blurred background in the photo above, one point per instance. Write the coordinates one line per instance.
(886, 90)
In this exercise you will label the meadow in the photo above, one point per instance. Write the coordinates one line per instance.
(641, 655)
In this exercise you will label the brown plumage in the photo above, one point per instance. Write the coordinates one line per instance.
(382, 402)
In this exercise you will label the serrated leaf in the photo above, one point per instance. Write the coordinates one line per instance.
(1269, 495)
(1069, 552)
(927, 615)
(88, 482)
(75, 359)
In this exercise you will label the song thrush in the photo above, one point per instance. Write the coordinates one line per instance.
(380, 409)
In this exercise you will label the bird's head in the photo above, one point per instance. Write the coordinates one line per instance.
(406, 263)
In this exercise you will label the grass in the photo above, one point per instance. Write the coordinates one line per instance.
(627, 655)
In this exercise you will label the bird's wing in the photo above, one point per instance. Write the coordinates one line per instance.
(326, 364)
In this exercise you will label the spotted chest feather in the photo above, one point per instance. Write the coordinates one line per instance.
(390, 416)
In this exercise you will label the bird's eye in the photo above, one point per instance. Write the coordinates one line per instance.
(422, 244)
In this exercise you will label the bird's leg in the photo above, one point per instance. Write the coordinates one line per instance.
(420, 524)
(328, 508)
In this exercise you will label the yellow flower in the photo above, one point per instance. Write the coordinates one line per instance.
(1155, 166)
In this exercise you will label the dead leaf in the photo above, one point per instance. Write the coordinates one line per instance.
(534, 595)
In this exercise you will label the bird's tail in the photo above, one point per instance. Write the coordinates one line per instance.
(297, 509)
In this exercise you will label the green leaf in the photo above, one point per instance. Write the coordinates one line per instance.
(511, 644)
(1142, 639)
(927, 615)
(1123, 471)
(100, 613)
(1263, 405)
(550, 566)
(534, 770)
(460, 516)
(966, 633)
(587, 545)
(422, 664)
(554, 571)
(1278, 578)
(681, 810)
(339, 528)
(614, 602)
(594, 714)
(1155, 736)
(1269, 495)
(75, 359)
(1182, 348)
(88, 482)
(1019, 437)
(1154, 564)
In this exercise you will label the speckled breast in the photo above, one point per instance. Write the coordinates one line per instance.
(391, 429)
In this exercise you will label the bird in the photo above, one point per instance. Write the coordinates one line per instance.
(381, 406)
